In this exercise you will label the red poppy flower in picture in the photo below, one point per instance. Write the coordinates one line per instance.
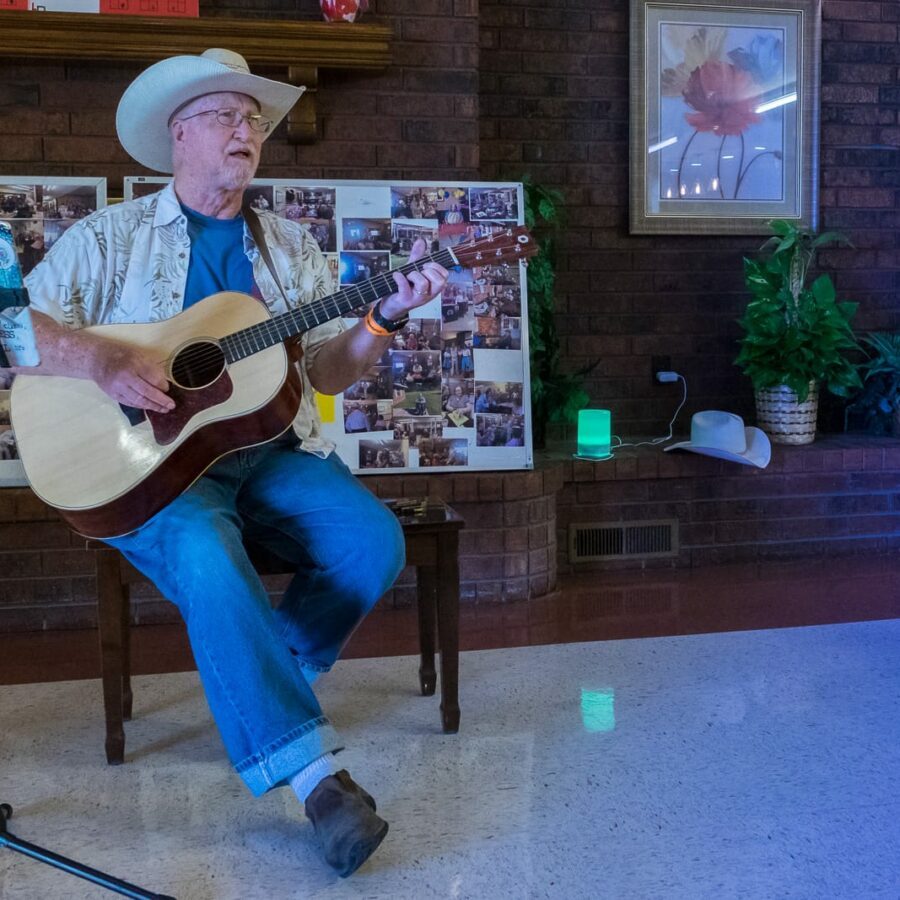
(724, 96)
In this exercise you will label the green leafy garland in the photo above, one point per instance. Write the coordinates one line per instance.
(556, 396)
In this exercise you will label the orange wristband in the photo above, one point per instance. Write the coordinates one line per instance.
(373, 327)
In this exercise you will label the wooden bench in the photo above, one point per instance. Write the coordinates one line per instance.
(431, 528)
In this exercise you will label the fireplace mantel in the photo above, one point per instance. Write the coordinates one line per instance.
(300, 48)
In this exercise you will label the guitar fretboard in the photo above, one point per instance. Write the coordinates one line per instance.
(248, 341)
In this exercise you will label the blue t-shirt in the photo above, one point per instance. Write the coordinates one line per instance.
(218, 262)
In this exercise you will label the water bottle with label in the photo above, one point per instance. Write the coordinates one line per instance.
(17, 343)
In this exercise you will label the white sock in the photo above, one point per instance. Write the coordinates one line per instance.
(311, 675)
(307, 779)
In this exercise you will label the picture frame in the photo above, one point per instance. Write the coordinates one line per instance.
(450, 393)
(724, 130)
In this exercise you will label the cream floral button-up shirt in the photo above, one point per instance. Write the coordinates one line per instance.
(129, 263)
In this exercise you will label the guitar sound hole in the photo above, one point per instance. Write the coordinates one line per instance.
(198, 365)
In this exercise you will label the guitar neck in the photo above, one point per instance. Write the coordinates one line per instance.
(284, 326)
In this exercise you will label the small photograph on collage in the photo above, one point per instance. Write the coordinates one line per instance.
(414, 429)
(260, 197)
(359, 266)
(456, 354)
(499, 414)
(7, 438)
(366, 234)
(404, 234)
(502, 333)
(494, 204)
(28, 236)
(313, 206)
(20, 201)
(38, 215)
(457, 301)
(458, 403)
(446, 204)
(443, 452)
(418, 334)
(367, 415)
(497, 289)
(415, 402)
(334, 268)
(381, 455)
(417, 370)
(376, 384)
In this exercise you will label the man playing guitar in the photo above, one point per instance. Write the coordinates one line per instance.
(204, 119)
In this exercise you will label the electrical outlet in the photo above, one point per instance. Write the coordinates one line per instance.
(659, 364)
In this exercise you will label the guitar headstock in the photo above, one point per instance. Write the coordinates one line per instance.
(508, 245)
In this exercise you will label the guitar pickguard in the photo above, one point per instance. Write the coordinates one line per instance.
(188, 403)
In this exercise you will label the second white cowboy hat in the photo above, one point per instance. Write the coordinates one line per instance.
(723, 435)
(142, 119)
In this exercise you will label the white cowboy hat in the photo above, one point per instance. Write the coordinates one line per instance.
(142, 119)
(723, 435)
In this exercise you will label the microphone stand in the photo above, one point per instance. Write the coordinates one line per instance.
(69, 865)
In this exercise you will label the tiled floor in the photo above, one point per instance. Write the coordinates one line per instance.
(726, 753)
(753, 764)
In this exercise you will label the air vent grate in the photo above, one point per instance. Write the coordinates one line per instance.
(594, 541)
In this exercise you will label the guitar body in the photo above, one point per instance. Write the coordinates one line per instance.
(108, 469)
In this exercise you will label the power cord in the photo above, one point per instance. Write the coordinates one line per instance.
(662, 378)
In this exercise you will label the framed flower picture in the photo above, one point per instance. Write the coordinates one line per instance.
(724, 115)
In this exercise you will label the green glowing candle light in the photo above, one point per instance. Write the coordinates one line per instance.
(594, 433)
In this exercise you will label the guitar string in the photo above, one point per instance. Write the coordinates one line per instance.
(241, 340)
(268, 329)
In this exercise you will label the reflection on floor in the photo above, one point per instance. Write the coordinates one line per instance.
(753, 764)
(595, 606)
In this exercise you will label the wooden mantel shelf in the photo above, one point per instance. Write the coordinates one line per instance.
(300, 47)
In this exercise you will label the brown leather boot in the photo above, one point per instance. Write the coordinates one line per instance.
(346, 825)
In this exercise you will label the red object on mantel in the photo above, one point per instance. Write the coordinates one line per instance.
(13, 4)
(188, 9)
(343, 10)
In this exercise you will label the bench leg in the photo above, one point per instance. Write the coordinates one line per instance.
(125, 625)
(448, 628)
(110, 602)
(426, 586)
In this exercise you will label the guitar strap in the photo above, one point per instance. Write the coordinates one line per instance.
(256, 231)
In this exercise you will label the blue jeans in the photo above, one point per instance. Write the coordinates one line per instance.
(348, 549)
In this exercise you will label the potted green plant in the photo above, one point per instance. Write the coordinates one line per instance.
(556, 396)
(877, 407)
(797, 336)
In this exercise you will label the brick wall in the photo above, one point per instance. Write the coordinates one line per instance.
(837, 497)
(496, 89)
(554, 103)
(507, 549)
(417, 119)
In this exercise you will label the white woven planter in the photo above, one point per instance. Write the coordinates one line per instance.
(784, 419)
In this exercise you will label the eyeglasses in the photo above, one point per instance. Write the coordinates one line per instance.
(232, 118)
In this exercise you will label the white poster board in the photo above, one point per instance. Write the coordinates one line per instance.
(38, 209)
(451, 394)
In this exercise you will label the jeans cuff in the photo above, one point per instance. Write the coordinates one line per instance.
(282, 759)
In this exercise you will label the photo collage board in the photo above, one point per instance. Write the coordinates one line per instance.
(38, 210)
(451, 392)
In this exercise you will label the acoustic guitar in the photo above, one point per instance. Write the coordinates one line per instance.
(108, 468)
